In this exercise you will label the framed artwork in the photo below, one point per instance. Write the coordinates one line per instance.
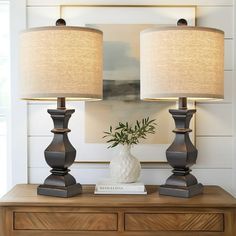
(121, 26)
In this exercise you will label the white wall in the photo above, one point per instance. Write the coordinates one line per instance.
(215, 126)
(17, 148)
(234, 107)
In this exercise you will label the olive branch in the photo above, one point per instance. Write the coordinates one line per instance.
(129, 134)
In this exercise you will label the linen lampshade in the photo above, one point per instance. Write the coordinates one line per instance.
(182, 62)
(179, 63)
(61, 61)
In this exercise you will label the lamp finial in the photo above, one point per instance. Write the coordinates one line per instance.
(60, 22)
(182, 22)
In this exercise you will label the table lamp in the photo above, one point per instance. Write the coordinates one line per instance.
(182, 62)
(59, 63)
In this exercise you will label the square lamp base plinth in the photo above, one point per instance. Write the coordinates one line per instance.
(58, 191)
(185, 192)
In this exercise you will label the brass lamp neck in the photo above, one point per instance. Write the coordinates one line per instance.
(182, 103)
(61, 103)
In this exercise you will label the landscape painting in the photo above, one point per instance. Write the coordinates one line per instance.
(121, 88)
(121, 26)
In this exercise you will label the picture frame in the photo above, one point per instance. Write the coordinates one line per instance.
(83, 15)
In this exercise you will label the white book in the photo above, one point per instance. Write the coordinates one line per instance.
(108, 185)
(121, 192)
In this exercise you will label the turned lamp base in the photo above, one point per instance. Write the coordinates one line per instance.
(178, 191)
(58, 191)
(181, 155)
(59, 155)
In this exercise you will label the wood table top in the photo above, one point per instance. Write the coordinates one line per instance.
(26, 195)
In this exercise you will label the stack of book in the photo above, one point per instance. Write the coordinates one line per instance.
(107, 186)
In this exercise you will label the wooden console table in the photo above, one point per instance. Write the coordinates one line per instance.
(23, 213)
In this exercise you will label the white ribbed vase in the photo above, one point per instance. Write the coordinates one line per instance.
(125, 168)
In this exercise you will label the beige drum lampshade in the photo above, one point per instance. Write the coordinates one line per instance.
(61, 61)
(182, 61)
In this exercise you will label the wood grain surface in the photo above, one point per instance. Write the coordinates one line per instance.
(23, 213)
(175, 221)
(23, 195)
(64, 221)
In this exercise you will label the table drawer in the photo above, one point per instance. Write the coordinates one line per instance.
(65, 221)
(174, 222)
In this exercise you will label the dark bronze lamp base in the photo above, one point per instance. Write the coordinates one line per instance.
(181, 155)
(58, 191)
(177, 191)
(59, 155)
(181, 184)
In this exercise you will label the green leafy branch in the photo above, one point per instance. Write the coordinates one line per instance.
(129, 134)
